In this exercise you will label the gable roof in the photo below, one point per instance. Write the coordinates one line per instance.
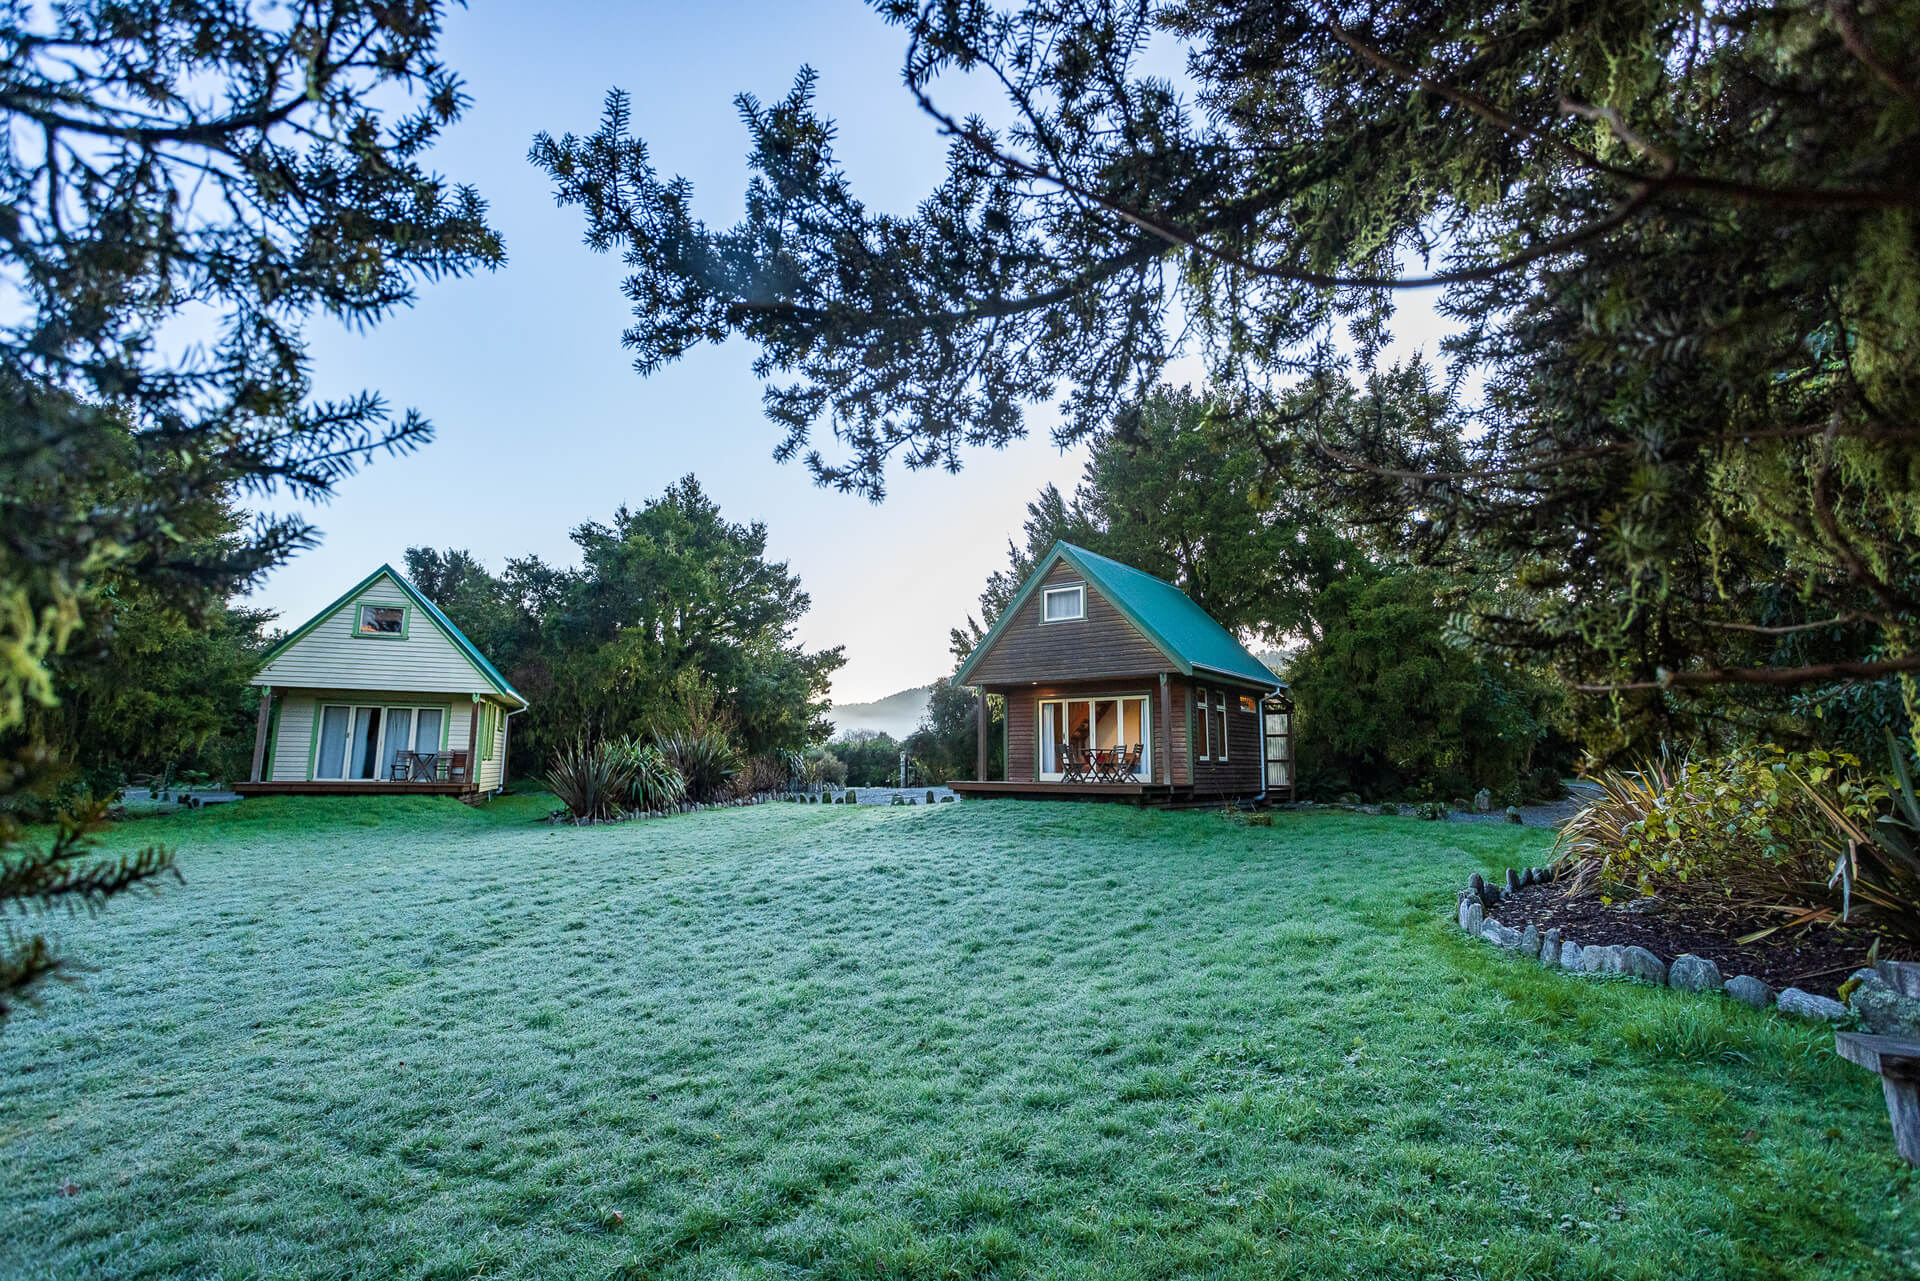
(1165, 615)
(487, 670)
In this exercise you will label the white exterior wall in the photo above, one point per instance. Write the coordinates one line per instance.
(331, 656)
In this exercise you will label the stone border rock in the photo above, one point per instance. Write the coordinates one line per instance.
(1688, 972)
(560, 818)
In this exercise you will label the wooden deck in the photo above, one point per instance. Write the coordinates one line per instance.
(357, 787)
(1157, 795)
(1126, 793)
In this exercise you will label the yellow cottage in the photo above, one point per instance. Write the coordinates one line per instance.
(380, 693)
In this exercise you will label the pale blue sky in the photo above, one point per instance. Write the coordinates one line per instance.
(542, 422)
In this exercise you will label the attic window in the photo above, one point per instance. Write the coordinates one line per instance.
(382, 620)
(1063, 604)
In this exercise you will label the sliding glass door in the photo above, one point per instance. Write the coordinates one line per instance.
(1117, 725)
(363, 742)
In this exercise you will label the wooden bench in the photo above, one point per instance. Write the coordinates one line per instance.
(1897, 1063)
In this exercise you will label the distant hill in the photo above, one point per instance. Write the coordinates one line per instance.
(896, 714)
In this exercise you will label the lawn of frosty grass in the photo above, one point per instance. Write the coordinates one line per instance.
(400, 1037)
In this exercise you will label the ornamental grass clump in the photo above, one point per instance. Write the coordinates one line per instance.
(705, 758)
(654, 782)
(1875, 846)
(591, 779)
(1753, 831)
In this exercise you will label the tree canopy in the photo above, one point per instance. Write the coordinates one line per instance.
(186, 183)
(671, 602)
(1676, 241)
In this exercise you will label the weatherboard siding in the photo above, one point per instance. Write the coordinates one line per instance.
(293, 742)
(1103, 644)
(490, 772)
(1023, 719)
(1240, 772)
(331, 656)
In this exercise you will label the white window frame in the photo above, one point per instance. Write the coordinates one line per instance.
(1220, 706)
(380, 745)
(1040, 729)
(1076, 590)
(1204, 748)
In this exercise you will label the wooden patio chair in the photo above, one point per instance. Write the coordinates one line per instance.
(1130, 766)
(453, 767)
(1079, 765)
(401, 770)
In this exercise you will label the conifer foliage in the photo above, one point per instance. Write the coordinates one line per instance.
(185, 183)
(1677, 240)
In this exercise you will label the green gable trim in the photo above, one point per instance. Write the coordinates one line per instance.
(485, 670)
(1186, 634)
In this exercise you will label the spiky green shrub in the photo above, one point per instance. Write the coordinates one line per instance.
(654, 782)
(591, 779)
(1798, 835)
(1875, 844)
(706, 759)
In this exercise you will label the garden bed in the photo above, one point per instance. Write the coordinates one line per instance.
(1815, 958)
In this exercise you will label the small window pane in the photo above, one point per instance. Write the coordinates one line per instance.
(1063, 604)
(1246, 704)
(381, 620)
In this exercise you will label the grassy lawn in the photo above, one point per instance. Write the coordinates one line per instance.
(403, 1038)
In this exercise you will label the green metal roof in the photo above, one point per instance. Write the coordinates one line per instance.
(486, 669)
(1167, 616)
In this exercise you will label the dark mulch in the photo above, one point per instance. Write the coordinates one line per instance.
(1814, 959)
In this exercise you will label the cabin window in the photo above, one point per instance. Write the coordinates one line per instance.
(382, 620)
(1063, 604)
(1206, 724)
(1220, 713)
(1246, 705)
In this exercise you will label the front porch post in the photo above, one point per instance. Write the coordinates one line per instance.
(980, 767)
(260, 734)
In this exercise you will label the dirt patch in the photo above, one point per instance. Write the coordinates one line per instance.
(1813, 958)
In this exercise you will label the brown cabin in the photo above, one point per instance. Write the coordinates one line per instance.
(1118, 686)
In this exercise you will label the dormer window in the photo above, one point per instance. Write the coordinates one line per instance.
(1063, 604)
(382, 620)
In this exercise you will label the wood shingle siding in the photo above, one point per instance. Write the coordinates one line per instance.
(1103, 644)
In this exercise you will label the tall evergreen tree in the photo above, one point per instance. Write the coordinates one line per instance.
(176, 167)
(1677, 240)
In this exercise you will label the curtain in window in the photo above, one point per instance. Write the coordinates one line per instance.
(333, 743)
(399, 736)
(426, 734)
(363, 746)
